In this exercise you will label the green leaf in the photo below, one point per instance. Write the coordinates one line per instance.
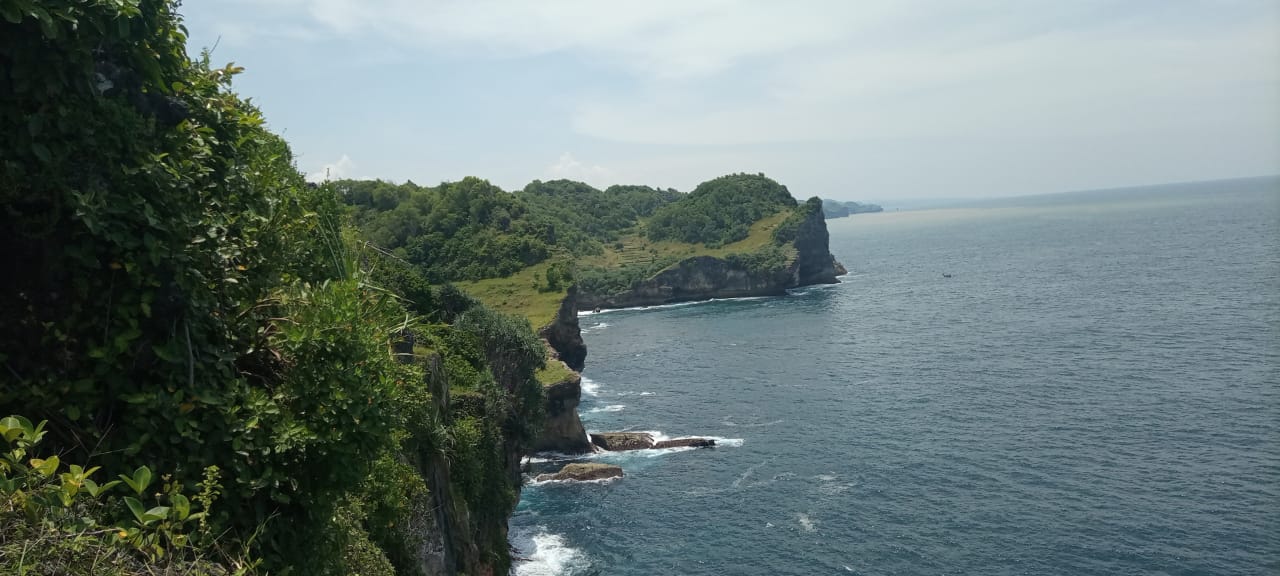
(45, 467)
(154, 514)
(70, 487)
(10, 428)
(181, 506)
(135, 506)
(139, 481)
(95, 490)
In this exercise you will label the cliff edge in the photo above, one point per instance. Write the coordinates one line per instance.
(804, 238)
(562, 431)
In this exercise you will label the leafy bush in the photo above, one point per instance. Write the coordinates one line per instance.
(719, 211)
(787, 231)
(604, 281)
(768, 259)
(177, 293)
(470, 230)
(55, 522)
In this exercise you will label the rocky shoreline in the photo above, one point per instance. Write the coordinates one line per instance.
(694, 279)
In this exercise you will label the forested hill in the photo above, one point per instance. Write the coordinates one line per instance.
(519, 251)
(211, 367)
(720, 211)
(471, 229)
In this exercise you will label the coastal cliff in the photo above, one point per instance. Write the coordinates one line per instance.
(805, 238)
(562, 430)
(563, 335)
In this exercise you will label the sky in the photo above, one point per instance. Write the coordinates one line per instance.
(871, 100)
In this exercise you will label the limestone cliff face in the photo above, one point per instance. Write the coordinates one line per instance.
(814, 262)
(697, 278)
(705, 277)
(563, 430)
(563, 334)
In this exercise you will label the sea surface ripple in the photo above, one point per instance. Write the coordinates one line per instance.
(1093, 390)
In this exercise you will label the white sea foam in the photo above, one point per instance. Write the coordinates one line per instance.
(760, 425)
(811, 288)
(534, 482)
(633, 393)
(595, 327)
(658, 436)
(547, 554)
(582, 313)
(609, 408)
(833, 489)
(590, 387)
(806, 522)
(750, 471)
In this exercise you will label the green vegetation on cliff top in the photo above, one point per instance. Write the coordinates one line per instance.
(520, 251)
(182, 302)
(185, 314)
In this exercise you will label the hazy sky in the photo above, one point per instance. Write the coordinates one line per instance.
(856, 99)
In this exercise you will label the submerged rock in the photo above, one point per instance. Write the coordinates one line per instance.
(615, 441)
(583, 472)
(686, 442)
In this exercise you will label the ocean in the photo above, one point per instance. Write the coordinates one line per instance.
(1094, 388)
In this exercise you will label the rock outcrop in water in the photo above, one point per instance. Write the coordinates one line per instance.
(584, 472)
(707, 277)
(814, 263)
(562, 430)
(686, 443)
(620, 441)
(615, 441)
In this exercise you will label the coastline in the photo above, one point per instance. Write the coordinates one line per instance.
(538, 551)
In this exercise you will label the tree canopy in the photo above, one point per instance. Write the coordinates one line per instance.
(719, 211)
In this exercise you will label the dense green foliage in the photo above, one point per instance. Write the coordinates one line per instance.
(719, 211)
(599, 280)
(50, 511)
(786, 231)
(178, 297)
(460, 230)
(838, 209)
(585, 216)
(470, 230)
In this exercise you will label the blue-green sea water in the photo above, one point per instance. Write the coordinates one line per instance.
(1095, 389)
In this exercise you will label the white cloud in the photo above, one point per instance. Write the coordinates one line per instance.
(733, 72)
(570, 168)
(343, 168)
(1063, 94)
(1073, 83)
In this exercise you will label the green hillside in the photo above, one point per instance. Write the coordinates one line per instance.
(518, 252)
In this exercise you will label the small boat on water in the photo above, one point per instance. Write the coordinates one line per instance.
(946, 274)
